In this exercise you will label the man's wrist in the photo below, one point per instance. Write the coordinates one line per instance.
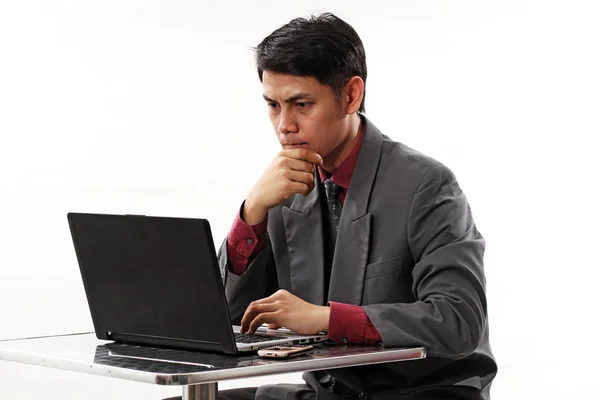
(252, 214)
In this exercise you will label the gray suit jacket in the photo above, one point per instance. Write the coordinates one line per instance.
(408, 251)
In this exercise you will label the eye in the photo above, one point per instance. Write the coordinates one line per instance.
(271, 105)
(303, 104)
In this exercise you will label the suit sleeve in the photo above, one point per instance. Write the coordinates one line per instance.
(258, 280)
(450, 313)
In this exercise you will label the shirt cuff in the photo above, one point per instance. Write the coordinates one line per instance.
(350, 324)
(244, 241)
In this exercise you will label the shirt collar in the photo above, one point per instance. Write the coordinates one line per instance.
(342, 175)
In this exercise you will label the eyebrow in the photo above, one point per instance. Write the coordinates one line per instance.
(290, 99)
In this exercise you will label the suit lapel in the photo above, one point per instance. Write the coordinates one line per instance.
(353, 241)
(304, 234)
(303, 223)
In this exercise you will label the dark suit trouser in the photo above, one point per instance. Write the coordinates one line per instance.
(278, 392)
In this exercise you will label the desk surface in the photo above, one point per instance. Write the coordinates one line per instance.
(85, 353)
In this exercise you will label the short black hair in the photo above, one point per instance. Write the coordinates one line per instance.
(322, 46)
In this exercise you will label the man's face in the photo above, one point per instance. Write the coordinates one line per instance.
(304, 113)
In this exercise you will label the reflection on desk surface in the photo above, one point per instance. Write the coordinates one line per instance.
(170, 361)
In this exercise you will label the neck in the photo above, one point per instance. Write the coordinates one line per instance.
(343, 150)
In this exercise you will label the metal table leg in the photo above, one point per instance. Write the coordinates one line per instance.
(202, 391)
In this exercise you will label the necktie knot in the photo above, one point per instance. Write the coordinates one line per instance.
(332, 189)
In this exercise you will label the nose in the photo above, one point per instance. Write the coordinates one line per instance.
(287, 123)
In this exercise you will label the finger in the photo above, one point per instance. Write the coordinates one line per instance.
(305, 154)
(298, 165)
(264, 318)
(253, 310)
(273, 326)
(301, 188)
(302, 177)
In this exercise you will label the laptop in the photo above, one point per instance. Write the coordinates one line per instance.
(156, 281)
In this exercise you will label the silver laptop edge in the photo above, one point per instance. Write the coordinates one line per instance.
(281, 337)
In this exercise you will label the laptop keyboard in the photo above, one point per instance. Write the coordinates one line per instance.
(250, 338)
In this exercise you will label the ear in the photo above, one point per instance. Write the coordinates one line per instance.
(354, 92)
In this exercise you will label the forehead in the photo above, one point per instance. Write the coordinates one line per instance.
(284, 85)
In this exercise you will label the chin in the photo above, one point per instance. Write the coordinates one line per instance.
(296, 146)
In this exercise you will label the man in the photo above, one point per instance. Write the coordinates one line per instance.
(351, 233)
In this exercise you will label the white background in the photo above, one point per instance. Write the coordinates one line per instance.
(154, 107)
